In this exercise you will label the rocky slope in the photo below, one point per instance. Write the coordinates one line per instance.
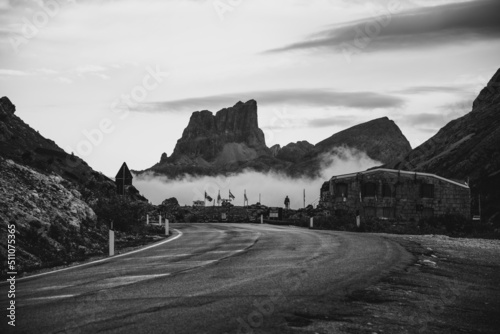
(61, 207)
(53, 224)
(21, 143)
(466, 148)
(231, 141)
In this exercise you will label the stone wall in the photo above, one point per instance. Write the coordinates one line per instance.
(406, 200)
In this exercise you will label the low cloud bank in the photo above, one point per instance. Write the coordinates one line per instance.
(273, 187)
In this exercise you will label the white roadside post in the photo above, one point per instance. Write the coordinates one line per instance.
(159, 220)
(147, 219)
(262, 219)
(111, 241)
(166, 227)
(311, 222)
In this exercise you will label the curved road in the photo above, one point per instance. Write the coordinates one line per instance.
(214, 278)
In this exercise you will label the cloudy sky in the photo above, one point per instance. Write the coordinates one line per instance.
(117, 81)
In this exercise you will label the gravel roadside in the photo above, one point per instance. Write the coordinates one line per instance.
(452, 286)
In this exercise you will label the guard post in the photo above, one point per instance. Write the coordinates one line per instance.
(111, 241)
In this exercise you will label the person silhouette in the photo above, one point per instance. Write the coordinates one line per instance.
(287, 203)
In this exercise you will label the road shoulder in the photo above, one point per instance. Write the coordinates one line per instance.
(451, 286)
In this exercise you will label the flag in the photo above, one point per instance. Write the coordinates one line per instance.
(218, 197)
(231, 196)
(208, 197)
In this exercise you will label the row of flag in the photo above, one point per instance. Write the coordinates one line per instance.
(231, 196)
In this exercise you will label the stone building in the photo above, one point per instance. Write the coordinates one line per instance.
(395, 194)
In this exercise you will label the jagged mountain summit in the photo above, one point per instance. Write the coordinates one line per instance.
(231, 135)
(231, 141)
(466, 148)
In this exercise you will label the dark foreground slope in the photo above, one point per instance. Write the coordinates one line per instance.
(60, 206)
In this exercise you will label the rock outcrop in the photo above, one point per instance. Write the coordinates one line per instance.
(466, 148)
(52, 221)
(231, 135)
(163, 158)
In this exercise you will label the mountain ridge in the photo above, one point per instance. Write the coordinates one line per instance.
(231, 141)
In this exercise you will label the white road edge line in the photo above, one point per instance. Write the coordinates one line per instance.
(105, 259)
(51, 297)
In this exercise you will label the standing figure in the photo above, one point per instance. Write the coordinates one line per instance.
(287, 203)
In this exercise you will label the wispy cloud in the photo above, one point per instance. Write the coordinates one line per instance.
(13, 73)
(302, 97)
(416, 28)
(430, 90)
(342, 121)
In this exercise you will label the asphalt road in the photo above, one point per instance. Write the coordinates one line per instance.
(214, 278)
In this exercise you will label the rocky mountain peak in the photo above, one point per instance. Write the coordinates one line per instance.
(488, 94)
(381, 139)
(294, 152)
(164, 157)
(6, 108)
(275, 149)
(232, 132)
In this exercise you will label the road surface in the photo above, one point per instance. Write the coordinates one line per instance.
(214, 278)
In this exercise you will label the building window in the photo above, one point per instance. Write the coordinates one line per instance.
(428, 212)
(386, 190)
(427, 190)
(370, 211)
(341, 190)
(370, 189)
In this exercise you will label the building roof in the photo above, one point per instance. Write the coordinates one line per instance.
(344, 176)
